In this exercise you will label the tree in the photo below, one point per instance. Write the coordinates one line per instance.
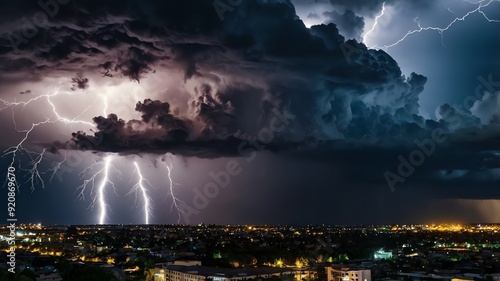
(86, 273)
(71, 231)
(18, 276)
(149, 274)
(149, 270)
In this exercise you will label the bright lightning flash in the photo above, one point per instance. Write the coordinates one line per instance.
(104, 181)
(481, 4)
(37, 157)
(145, 197)
(99, 196)
(175, 201)
(35, 176)
(375, 23)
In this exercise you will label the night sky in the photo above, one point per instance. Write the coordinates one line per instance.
(251, 112)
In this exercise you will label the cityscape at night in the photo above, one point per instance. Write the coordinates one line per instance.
(250, 140)
(232, 252)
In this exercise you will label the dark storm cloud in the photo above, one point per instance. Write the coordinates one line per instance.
(159, 131)
(135, 63)
(157, 126)
(214, 113)
(456, 119)
(351, 24)
(369, 7)
(73, 38)
(80, 82)
(188, 54)
(354, 108)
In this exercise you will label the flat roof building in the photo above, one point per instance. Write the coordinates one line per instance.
(202, 273)
(346, 273)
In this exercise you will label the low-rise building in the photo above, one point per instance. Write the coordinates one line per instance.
(202, 273)
(346, 273)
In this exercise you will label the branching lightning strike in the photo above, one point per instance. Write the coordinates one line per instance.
(36, 157)
(98, 196)
(145, 197)
(102, 185)
(481, 4)
(375, 23)
(175, 201)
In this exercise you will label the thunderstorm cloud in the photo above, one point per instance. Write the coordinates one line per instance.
(235, 71)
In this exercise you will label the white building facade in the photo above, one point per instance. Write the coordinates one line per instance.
(341, 273)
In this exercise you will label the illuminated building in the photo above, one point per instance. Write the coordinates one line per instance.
(201, 273)
(345, 273)
(382, 255)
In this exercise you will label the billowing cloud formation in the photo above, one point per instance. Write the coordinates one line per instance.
(350, 24)
(369, 7)
(346, 99)
(159, 131)
(80, 82)
(487, 109)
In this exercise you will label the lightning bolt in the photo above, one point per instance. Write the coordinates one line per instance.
(34, 173)
(35, 176)
(375, 23)
(99, 197)
(145, 197)
(100, 192)
(441, 30)
(105, 109)
(171, 186)
(99, 180)
(105, 180)
(58, 165)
